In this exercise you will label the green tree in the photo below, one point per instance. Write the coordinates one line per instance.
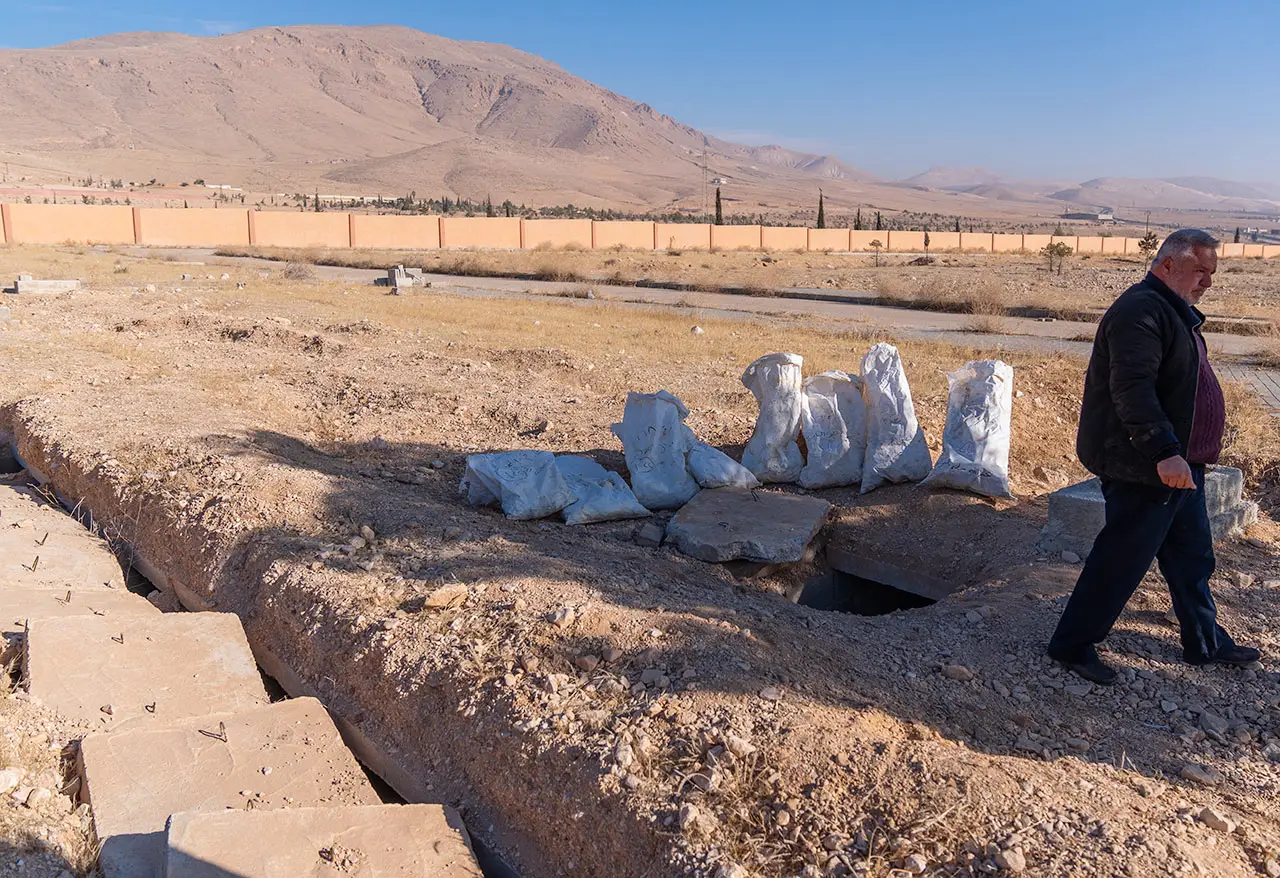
(857, 220)
(875, 249)
(957, 225)
(1237, 240)
(1056, 251)
(822, 216)
(1057, 231)
(719, 209)
(879, 224)
(488, 206)
(319, 209)
(1148, 245)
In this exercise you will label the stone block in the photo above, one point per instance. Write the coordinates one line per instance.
(372, 840)
(283, 755)
(728, 524)
(115, 670)
(26, 284)
(1078, 512)
(43, 547)
(20, 606)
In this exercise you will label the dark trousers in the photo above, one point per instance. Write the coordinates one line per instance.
(1145, 523)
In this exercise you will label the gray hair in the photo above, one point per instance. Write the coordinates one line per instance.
(1184, 241)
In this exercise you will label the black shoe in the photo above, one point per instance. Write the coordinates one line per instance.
(1092, 669)
(1235, 655)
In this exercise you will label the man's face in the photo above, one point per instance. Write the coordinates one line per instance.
(1190, 274)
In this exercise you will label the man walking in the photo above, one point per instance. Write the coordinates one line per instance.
(1152, 417)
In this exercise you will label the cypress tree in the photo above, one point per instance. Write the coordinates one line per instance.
(1237, 240)
(822, 216)
(957, 224)
(857, 220)
(719, 209)
(879, 225)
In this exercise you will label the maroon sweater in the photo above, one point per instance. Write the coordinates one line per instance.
(1210, 419)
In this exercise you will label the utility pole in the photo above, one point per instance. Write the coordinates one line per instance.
(1148, 229)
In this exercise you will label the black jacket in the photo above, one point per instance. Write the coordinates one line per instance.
(1140, 390)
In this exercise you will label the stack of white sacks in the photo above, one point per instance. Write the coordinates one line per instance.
(858, 430)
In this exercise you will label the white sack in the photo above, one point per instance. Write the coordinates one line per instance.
(773, 454)
(655, 442)
(602, 495)
(712, 468)
(526, 484)
(896, 449)
(975, 443)
(834, 422)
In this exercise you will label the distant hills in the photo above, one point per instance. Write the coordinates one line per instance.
(389, 110)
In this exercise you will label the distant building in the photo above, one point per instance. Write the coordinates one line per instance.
(1106, 215)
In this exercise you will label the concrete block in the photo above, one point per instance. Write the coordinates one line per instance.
(147, 670)
(729, 524)
(373, 840)
(26, 284)
(18, 607)
(1078, 512)
(285, 755)
(43, 547)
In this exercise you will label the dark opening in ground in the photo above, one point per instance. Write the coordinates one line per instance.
(843, 592)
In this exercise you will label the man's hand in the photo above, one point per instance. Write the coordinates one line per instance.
(1175, 473)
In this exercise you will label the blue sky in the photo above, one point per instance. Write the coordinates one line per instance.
(1062, 91)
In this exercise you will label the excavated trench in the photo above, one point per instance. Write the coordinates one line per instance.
(395, 782)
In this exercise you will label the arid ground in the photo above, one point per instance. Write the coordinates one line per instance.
(595, 707)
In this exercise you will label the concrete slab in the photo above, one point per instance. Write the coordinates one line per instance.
(26, 284)
(728, 524)
(143, 669)
(43, 547)
(18, 607)
(378, 841)
(284, 755)
(1078, 512)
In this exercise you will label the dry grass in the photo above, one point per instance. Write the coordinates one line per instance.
(1006, 285)
(986, 324)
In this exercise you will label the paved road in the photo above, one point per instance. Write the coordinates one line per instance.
(1233, 352)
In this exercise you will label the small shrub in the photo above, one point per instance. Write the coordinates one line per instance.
(987, 324)
(298, 271)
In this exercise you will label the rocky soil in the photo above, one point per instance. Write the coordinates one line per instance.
(291, 451)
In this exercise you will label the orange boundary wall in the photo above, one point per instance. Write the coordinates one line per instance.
(106, 224)
(557, 233)
(683, 236)
(395, 232)
(829, 239)
(784, 238)
(735, 238)
(81, 224)
(623, 234)
(940, 241)
(480, 233)
(285, 229)
(158, 227)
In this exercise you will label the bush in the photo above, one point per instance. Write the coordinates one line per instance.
(298, 271)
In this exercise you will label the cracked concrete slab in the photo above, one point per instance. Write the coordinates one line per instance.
(20, 606)
(284, 755)
(729, 524)
(378, 841)
(113, 670)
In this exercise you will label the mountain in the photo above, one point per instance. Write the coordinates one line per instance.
(367, 111)
(1179, 193)
(956, 178)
